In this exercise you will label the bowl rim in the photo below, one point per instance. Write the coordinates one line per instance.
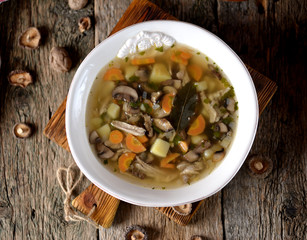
(72, 146)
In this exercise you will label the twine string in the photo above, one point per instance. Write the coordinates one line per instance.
(68, 184)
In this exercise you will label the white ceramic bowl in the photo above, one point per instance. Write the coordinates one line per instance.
(197, 38)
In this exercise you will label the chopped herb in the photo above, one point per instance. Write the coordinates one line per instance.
(153, 188)
(189, 183)
(217, 134)
(173, 46)
(163, 188)
(159, 49)
(111, 64)
(198, 53)
(135, 104)
(236, 106)
(229, 94)
(120, 102)
(207, 100)
(217, 69)
(158, 130)
(103, 115)
(227, 120)
(148, 108)
(134, 78)
(105, 162)
(177, 139)
(223, 110)
(114, 170)
(207, 58)
(142, 53)
(126, 59)
(215, 105)
(225, 82)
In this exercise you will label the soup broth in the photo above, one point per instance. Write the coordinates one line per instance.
(161, 118)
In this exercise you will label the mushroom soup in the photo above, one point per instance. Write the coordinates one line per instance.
(163, 117)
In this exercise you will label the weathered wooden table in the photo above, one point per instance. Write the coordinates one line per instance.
(269, 35)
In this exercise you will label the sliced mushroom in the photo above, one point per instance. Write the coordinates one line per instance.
(94, 137)
(30, 38)
(191, 156)
(155, 96)
(148, 125)
(84, 24)
(59, 59)
(259, 166)
(112, 145)
(218, 155)
(136, 232)
(200, 148)
(176, 83)
(215, 71)
(183, 210)
(133, 119)
(128, 128)
(125, 93)
(222, 127)
(169, 89)
(230, 104)
(143, 74)
(163, 124)
(182, 165)
(190, 170)
(145, 87)
(22, 130)
(103, 152)
(129, 109)
(213, 117)
(159, 113)
(20, 78)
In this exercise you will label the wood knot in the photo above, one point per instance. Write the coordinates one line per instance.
(89, 200)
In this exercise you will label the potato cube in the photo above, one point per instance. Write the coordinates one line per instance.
(159, 73)
(104, 132)
(113, 111)
(201, 86)
(130, 71)
(96, 122)
(160, 148)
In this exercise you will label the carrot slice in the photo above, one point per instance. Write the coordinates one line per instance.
(167, 102)
(113, 74)
(125, 160)
(134, 144)
(116, 137)
(198, 126)
(183, 145)
(142, 61)
(165, 162)
(142, 139)
(181, 57)
(195, 71)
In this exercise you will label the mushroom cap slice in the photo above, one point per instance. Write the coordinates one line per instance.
(184, 209)
(136, 232)
(22, 130)
(94, 137)
(20, 78)
(77, 4)
(84, 24)
(125, 93)
(260, 166)
(59, 59)
(128, 128)
(30, 38)
(103, 151)
(218, 155)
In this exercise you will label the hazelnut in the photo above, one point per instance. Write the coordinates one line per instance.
(259, 166)
(22, 130)
(84, 24)
(77, 4)
(30, 38)
(59, 59)
(136, 232)
(20, 78)
(184, 209)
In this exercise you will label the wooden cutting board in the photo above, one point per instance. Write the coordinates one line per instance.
(138, 11)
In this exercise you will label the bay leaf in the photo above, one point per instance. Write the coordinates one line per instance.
(184, 106)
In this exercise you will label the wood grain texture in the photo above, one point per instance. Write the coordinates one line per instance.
(269, 35)
(106, 205)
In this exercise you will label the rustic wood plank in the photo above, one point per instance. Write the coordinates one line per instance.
(106, 205)
(31, 202)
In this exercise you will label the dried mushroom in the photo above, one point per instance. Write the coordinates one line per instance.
(59, 59)
(77, 4)
(20, 78)
(22, 130)
(260, 166)
(197, 237)
(84, 24)
(184, 209)
(136, 232)
(30, 38)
